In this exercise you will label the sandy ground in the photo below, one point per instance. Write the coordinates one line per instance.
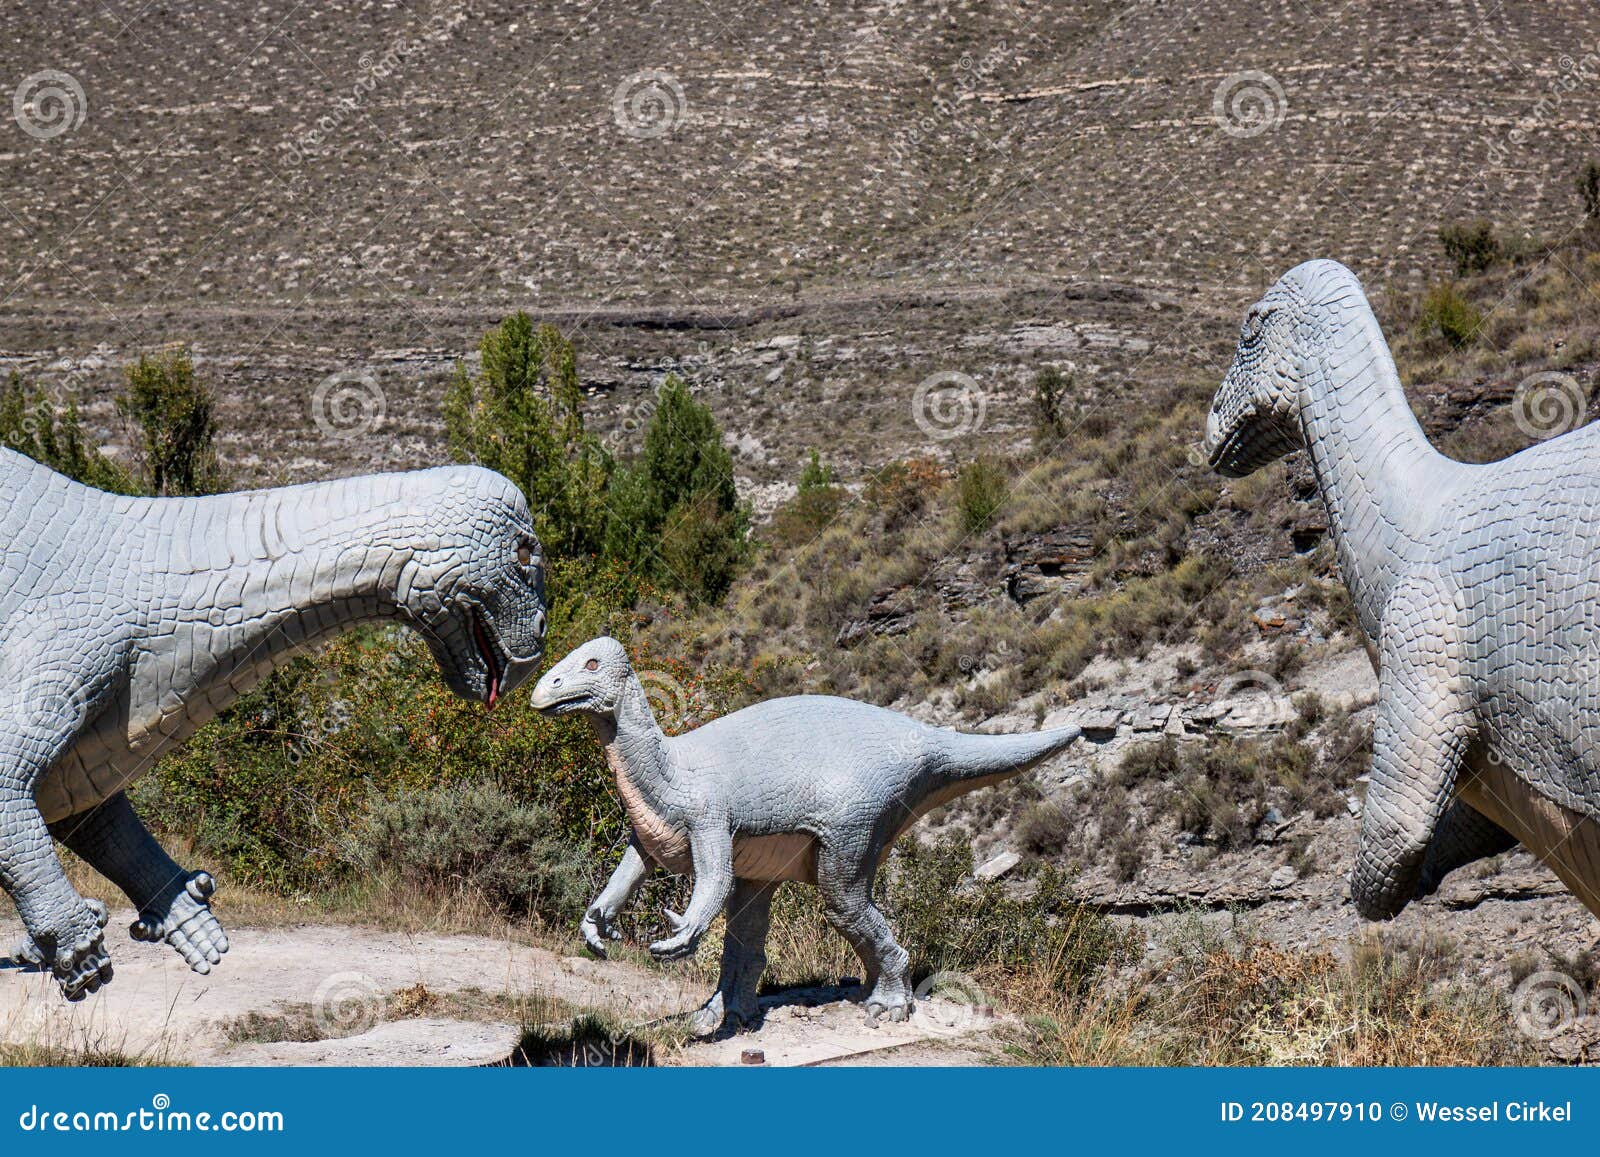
(155, 1009)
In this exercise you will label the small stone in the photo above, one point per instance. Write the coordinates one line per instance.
(998, 866)
(1283, 877)
(752, 1057)
(1100, 723)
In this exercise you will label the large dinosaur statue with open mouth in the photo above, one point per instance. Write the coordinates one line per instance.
(126, 623)
(809, 788)
(1478, 585)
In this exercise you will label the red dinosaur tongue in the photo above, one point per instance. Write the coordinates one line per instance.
(494, 690)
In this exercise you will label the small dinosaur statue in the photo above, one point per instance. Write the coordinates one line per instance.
(809, 788)
(126, 623)
(1479, 586)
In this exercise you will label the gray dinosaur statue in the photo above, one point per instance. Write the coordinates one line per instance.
(1479, 586)
(809, 788)
(126, 623)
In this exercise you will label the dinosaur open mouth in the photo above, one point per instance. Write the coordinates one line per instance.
(492, 665)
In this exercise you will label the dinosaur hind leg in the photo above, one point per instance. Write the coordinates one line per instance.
(846, 886)
(173, 903)
(744, 959)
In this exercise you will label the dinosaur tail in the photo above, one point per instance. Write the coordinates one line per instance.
(972, 756)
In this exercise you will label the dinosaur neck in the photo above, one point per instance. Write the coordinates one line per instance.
(290, 568)
(636, 749)
(1379, 476)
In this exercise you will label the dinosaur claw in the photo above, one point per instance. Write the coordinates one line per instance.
(201, 887)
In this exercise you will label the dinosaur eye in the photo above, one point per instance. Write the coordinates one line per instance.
(525, 554)
(592, 665)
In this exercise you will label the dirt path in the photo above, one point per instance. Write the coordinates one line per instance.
(348, 986)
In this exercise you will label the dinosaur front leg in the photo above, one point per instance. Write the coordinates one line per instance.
(68, 932)
(619, 889)
(173, 903)
(744, 959)
(711, 846)
(1419, 743)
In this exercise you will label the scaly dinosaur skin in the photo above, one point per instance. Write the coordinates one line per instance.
(808, 788)
(126, 623)
(1479, 584)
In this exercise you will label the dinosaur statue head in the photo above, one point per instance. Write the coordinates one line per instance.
(591, 679)
(475, 584)
(1255, 416)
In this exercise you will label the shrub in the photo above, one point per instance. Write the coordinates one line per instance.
(476, 835)
(1589, 190)
(816, 504)
(1447, 313)
(521, 414)
(176, 429)
(702, 547)
(1471, 246)
(30, 425)
(981, 493)
(675, 513)
(1050, 386)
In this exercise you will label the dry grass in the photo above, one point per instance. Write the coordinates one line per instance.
(1242, 1000)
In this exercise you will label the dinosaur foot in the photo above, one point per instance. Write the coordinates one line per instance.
(714, 1018)
(887, 1003)
(184, 920)
(80, 968)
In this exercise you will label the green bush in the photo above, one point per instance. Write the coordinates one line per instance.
(1050, 386)
(981, 493)
(30, 425)
(172, 413)
(1471, 246)
(521, 414)
(675, 513)
(815, 505)
(478, 836)
(1450, 315)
